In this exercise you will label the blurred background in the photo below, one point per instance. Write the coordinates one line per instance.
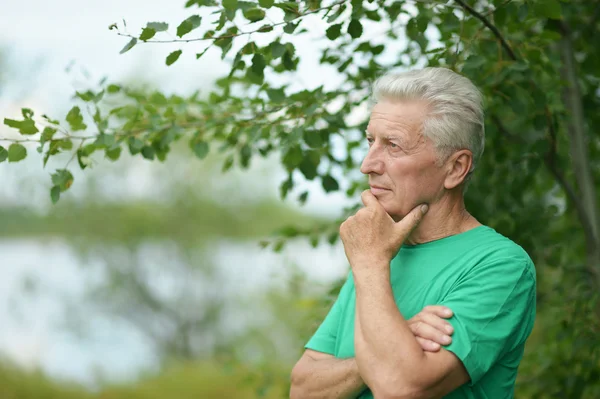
(151, 279)
(146, 268)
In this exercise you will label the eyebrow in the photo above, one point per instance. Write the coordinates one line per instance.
(389, 137)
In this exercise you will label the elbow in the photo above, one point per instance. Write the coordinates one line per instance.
(297, 379)
(398, 393)
(397, 388)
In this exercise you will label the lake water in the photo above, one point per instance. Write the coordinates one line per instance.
(42, 299)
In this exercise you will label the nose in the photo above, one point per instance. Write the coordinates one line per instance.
(373, 162)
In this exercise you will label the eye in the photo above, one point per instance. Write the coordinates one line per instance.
(393, 145)
(370, 140)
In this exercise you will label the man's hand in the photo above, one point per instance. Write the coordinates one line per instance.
(371, 237)
(322, 375)
(430, 328)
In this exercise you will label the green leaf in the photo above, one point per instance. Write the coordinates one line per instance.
(373, 15)
(286, 186)
(83, 155)
(129, 46)
(25, 127)
(258, 64)
(147, 33)
(288, 61)
(27, 113)
(289, 231)
(303, 197)
(47, 134)
(188, 25)
(230, 4)
(548, 8)
(63, 179)
(254, 14)
(308, 167)
(16, 152)
(355, 28)
(50, 120)
(174, 56)
(104, 140)
(278, 246)
(227, 164)
(55, 194)
(135, 145)
(158, 26)
(277, 49)
(266, 3)
(334, 31)
(329, 183)
(290, 28)
(200, 148)
(245, 154)
(113, 88)
(113, 154)
(75, 119)
(333, 237)
(336, 15)
(85, 96)
(265, 28)
(292, 158)
(276, 95)
(148, 152)
(312, 138)
(3, 154)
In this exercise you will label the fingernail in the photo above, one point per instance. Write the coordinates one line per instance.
(446, 339)
(448, 312)
(424, 208)
(449, 329)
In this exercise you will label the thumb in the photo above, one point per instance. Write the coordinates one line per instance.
(409, 222)
(368, 199)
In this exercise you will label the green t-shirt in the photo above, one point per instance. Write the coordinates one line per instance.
(489, 283)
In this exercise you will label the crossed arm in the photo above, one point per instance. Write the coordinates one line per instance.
(321, 375)
(389, 358)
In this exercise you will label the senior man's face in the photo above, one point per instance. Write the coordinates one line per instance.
(401, 162)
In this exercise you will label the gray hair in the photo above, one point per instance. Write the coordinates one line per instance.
(455, 117)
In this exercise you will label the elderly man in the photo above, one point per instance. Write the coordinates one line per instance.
(414, 245)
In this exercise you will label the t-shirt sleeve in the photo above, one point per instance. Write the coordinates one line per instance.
(324, 339)
(494, 310)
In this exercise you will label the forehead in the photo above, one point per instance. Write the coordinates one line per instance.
(389, 117)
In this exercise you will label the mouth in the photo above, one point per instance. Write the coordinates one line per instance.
(375, 190)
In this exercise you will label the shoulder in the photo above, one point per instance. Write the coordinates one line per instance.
(494, 250)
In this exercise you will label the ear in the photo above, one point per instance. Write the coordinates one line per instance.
(459, 165)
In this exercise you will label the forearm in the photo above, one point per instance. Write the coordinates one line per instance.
(327, 378)
(387, 352)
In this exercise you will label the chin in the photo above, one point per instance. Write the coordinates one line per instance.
(394, 211)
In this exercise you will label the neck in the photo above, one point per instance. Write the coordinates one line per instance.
(444, 218)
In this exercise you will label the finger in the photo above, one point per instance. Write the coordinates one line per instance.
(428, 345)
(369, 200)
(426, 331)
(439, 310)
(408, 223)
(437, 322)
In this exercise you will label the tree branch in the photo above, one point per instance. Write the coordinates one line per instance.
(550, 161)
(578, 142)
(586, 206)
(487, 14)
(490, 26)
(300, 15)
